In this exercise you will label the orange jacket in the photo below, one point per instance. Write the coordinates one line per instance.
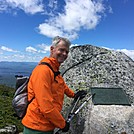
(43, 112)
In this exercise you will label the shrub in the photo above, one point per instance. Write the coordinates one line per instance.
(6, 111)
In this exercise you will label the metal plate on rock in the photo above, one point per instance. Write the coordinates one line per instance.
(109, 96)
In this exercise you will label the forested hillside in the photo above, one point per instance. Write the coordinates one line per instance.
(6, 111)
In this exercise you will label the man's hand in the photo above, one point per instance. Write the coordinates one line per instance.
(81, 94)
(66, 128)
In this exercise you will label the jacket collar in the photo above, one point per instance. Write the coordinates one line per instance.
(52, 61)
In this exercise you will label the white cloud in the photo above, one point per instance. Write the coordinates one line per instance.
(7, 49)
(3, 6)
(44, 48)
(28, 6)
(49, 30)
(53, 4)
(129, 53)
(74, 45)
(31, 49)
(77, 14)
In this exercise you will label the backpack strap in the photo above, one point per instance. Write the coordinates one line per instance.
(55, 73)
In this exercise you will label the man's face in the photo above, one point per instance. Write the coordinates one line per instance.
(60, 52)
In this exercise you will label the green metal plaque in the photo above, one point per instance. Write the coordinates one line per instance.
(109, 96)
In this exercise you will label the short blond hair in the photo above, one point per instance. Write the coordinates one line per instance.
(57, 39)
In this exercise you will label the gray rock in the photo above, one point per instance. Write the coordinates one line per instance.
(90, 66)
(110, 120)
(11, 129)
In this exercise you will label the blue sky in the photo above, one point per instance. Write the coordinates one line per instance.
(27, 26)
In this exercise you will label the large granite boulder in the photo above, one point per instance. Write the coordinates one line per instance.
(90, 66)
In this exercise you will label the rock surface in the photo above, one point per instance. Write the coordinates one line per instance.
(11, 129)
(90, 66)
(110, 120)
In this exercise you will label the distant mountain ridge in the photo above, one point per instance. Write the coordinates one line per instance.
(8, 70)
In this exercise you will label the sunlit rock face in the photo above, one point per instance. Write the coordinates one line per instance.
(111, 119)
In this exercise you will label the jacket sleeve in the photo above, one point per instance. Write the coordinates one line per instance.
(68, 91)
(42, 81)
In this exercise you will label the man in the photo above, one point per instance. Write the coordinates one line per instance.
(43, 113)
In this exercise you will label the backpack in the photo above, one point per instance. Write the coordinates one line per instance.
(20, 100)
